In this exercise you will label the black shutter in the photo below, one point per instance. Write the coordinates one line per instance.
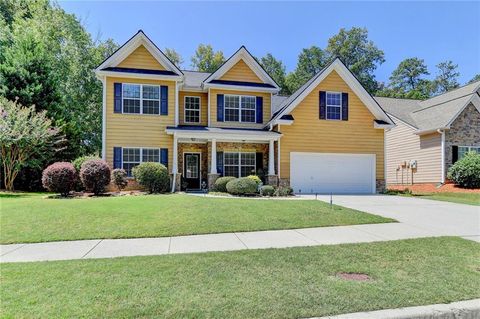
(117, 157)
(220, 107)
(258, 162)
(454, 154)
(117, 97)
(164, 156)
(164, 100)
(322, 105)
(259, 109)
(220, 163)
(344, 106)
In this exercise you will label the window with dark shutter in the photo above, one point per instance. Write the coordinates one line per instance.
(454, 154)
(259, 116)
(220, 100)
(164, 100)
(117, 97)
(322, 105)
(344, 106)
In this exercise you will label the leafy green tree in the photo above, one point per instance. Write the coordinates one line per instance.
(447, 77)
(276, 69)
(475, 79)
(407, 80)
(310, 61)
(26, 137)
(174, 56)
(359, 54)
(207, 60)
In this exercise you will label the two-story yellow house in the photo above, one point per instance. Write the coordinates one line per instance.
(328, 137)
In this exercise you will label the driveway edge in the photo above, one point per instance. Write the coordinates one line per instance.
(468, 309)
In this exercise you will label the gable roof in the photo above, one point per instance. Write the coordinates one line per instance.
(337, 65)
(242, 54)
(140, 38)
(435, 113)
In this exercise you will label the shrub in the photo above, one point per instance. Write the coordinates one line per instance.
(119, 178)
(284, 191)
(466, 172)
(256, 179)
(242, 186)
(221, 183)
(153, 176)
(59, 177)
(267, 190)
(95, 175)
(78, 162)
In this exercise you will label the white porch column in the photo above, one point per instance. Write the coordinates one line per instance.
(213, 165)
(175, 155)
(271, 159)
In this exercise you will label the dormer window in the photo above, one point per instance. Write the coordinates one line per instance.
(334, 106)
(240, 108)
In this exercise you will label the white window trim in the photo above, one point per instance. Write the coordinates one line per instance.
(469, 149)
(141, 99)
(141, 154)
(239, 162)
(185, 108)
(326, 105)
(240, 108)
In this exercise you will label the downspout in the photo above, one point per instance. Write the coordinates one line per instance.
(175, 162)
(443, 154)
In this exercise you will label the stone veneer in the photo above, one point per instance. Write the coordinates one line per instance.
(194, 148)
(381, 186)
(464, 131)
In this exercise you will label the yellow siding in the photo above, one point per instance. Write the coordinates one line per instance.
(213, 109)
(403, 146)
(140, 58)
(203, 107)
(310, 134)
(241, 72)
(124, 130)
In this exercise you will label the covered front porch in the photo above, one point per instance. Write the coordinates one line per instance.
(201, 155)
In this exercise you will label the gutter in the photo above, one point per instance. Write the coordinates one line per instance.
(443, 154)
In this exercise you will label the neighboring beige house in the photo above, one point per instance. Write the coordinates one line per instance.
(431, 135)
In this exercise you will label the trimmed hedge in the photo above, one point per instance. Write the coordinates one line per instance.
(242, 186)
(284, 191)
(466, 172)
(153, 176)
(78, 162)
(60, 177)
(267, 190)
(221, 183)
(119, 178)
(256, 179)
(95, 175)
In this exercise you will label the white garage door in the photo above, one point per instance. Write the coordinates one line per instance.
(332, 173)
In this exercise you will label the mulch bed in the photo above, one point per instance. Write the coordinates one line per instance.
(432, 188)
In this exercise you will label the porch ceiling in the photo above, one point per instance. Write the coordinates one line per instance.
(199, 134)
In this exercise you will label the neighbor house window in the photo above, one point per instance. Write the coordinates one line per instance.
(239, 164)
(462, 150)
(240, 108)
(134, 156)
(192, 109)
(334, 106)
(141, 99)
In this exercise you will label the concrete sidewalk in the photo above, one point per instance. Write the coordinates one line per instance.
(417, 218)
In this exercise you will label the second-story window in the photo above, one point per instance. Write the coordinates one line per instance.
(141, 99)
(334, 106)
(192, 109)
(240, 108)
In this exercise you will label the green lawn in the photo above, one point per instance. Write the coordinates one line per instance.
(34, 218)
(462, 198)
(272, 283)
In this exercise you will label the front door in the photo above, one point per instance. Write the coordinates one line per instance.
(191, 169)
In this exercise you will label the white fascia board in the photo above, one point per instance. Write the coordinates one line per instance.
(283, 122)
(239, 88)
(183, 88)
(383, 126)
(224, 135)
(175, 78)
(352, 82)
(433, 130)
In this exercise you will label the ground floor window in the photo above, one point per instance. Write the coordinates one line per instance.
(239, 164)
(134, 156)
(462, 150)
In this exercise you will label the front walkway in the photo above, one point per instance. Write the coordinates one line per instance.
(417, 218)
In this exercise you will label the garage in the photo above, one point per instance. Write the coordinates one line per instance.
(326, 173)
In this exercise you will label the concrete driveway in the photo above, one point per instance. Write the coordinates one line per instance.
(437, 217)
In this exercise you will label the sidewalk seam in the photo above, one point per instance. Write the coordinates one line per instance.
(92, 248)
(11, 251)
(236, 235)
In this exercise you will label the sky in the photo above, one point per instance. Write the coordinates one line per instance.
(433, 31)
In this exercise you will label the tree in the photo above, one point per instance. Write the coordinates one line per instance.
(276, 69)
(358, 53)
(310, 61)
(206, 60)
(407, 79)
(447, 77)
(475, 79)
(174, 56)
(25, 137)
